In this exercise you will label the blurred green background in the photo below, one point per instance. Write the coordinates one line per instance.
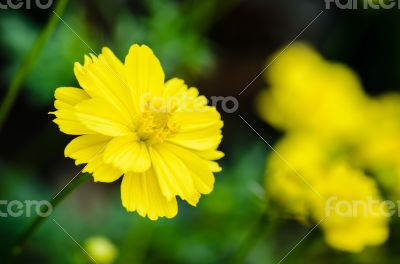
(219, 47)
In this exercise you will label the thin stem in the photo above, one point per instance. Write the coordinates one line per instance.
(28, 62)
(75, 183)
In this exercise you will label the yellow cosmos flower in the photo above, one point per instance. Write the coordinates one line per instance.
(351, 227)
(101, 249)
(327, 182)
(380, 149)
(162, 137)
(307, 92)
(342, 143)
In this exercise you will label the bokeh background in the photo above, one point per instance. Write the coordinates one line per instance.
(219, 47)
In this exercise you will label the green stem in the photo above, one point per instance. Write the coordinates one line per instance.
(28, 62)
(72, 185)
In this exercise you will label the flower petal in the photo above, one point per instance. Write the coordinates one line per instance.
(101, 171)
(144, 72)
(198, 130)
(200, 140)
(104, 77)
(89, 149)
(98, 115)
(66, 99)
(174, 87)
(208, 118)
(201, 169)
(70, 95)
(211, 154)
(173, 176)
(141, 192)
(128, 154)
(86, 147)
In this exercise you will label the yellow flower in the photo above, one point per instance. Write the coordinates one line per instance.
(283, 184)
(354, 214)
(380, 148)
(310, 93)
(101, 249)
(162, 137)
(324, 186)
(336, 138)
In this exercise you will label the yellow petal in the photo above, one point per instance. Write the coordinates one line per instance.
(128, 154)
(141, 192)
(198, 130)
(173, 175)
(194, 121)
(98, 115)
(86, 147)
(70, 95)
(200, 140)
(109, 57)
(211, 154)
(104, 77)
(200, 169)
(89, 149)
(144, 72)
(101, 171)
(66, 99)
(174, 87)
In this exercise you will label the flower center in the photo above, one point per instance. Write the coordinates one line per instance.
(157, 122)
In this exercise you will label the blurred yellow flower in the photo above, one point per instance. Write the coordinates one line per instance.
(325, 179)
(345, 188)
(380, 148)
(339, 144)
(101, 249)
(309, 93)
(162, 137)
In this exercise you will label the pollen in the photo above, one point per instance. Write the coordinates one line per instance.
(157, 121)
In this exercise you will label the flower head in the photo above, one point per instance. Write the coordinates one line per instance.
(335, 185)
(340, 144)
(162, 137)
(309, 93)
(101, 249)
